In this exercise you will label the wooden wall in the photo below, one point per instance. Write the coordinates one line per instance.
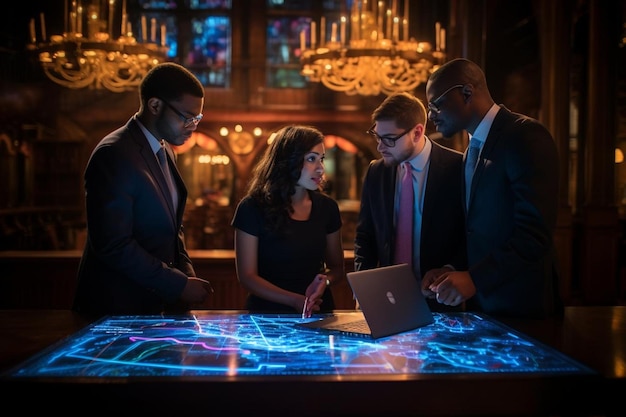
(47, 279)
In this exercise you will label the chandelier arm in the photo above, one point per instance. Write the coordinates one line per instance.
(373, 58)
(67, 77)
(95, 60)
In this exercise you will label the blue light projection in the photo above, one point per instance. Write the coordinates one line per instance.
(222, 343)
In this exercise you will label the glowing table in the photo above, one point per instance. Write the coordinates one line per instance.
(463, 363)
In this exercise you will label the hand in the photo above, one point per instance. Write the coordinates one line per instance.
(453, 288)
(196, 290)
(313, 295)
(430, 278)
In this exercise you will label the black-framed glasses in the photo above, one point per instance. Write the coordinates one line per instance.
(388, 141)
(433, 105)
(187, 121)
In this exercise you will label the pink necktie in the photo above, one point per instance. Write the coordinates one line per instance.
(403, 252)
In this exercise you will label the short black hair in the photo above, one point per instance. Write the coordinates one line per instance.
(169, 81)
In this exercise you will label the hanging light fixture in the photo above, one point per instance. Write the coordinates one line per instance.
(375, 58)
(93, 58)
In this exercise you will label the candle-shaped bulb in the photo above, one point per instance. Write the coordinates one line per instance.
(43, 27)
(153, 28)
(443, 40)
(396, 29)
(31, 30)
(343, 30)
(144, 29)
(110, 18)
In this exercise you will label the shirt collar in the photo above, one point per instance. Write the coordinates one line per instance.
(484, 126)
(155, 144)
(419, 161)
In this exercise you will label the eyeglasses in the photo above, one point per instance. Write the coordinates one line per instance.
(187, 121)
(433, 105)
(388, 141)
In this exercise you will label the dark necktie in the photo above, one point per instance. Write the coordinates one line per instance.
(168, 176)
(470, 166)
(403, 252)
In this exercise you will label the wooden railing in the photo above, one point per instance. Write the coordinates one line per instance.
(42, 228)
(47, 279)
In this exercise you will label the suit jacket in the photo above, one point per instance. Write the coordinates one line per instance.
(443, 228)
(511, 218)
(134, 260)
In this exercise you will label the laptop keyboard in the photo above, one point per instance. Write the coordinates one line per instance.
(358, 326)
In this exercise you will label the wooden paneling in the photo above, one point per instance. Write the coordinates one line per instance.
(47, 279)
(57, 167)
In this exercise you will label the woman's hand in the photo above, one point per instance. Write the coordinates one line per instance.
(313, 294)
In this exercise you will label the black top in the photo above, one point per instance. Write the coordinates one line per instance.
(292, 257)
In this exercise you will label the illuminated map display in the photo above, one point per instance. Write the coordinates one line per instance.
(223, 343)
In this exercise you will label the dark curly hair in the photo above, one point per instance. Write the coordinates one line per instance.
(275, 176)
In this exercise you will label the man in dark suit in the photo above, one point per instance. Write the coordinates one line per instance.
(436, 239)
(511, 200)
(135, 260)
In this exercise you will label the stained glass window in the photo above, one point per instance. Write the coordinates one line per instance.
(198, 34)
(287, 21)
(283, 51)
(209, 56)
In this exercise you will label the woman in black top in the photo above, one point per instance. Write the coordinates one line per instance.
(288, 246)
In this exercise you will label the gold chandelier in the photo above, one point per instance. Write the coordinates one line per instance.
(374, 59)
(95, 60)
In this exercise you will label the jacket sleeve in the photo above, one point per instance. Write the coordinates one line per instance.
(365, 248)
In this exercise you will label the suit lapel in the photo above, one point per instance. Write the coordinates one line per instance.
(154, 167)
(501, 119)
(389, 183)
(180, 184)
(432, 182)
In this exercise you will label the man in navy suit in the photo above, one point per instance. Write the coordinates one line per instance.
(135, 260)
(511, 200)
(437, 238)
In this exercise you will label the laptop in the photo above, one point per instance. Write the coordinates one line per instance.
(390, 300)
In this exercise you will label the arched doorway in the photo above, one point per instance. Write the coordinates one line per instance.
(208, 173)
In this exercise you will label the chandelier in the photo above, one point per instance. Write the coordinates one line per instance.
(374, 58)
(95, 59)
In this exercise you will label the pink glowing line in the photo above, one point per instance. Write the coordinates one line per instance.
(180, 342)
